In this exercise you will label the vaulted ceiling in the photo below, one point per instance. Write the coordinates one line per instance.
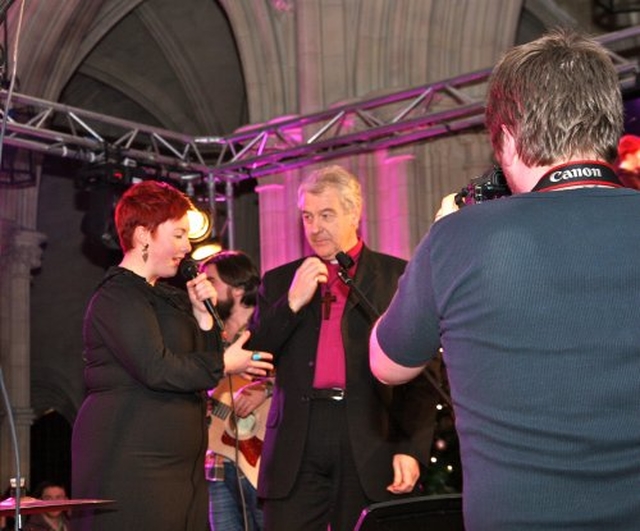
(159, 62)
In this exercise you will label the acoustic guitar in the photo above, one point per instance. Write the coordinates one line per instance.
(237, 439)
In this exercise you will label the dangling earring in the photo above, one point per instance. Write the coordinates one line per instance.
(145, 252)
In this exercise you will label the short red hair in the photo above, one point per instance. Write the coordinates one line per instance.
(628, 144)
(148, 204)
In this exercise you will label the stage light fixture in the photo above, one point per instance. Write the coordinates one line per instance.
(98, 222)
(206, 250)
(200, 225)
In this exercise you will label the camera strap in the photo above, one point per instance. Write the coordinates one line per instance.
(584, 173)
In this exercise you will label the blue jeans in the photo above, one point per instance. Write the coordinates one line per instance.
(225, 503)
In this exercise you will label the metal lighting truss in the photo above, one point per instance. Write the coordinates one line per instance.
(400, 118)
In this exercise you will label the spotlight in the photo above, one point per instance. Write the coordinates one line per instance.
(206, 250)
(199, 225)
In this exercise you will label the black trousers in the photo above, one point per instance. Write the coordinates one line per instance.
(327, 491)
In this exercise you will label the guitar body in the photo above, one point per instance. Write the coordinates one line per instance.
(240, 441)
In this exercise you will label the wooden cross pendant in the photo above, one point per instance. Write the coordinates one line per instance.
(327, 299)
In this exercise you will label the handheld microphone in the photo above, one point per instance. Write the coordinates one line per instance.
(189, 271)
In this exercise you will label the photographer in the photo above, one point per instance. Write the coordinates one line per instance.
(535, 299)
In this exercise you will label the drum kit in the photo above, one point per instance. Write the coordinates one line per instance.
(29, 505)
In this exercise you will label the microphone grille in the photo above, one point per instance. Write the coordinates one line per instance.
(344, 260)
(188, 268)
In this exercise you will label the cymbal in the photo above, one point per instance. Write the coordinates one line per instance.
(30, 505)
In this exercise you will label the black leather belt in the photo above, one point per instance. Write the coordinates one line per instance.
(333, 393)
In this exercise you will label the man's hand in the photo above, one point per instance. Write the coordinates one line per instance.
(305, 282)
(406, 472)
(447, 206)
(249, 397)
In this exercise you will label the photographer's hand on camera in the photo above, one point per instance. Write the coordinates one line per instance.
(447, 206)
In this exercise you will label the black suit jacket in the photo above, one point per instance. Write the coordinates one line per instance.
(382, 420)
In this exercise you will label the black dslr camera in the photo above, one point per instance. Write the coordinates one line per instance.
(490, 185)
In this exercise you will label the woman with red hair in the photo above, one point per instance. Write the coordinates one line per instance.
(151, 351)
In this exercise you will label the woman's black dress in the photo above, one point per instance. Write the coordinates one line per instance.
(140, 435)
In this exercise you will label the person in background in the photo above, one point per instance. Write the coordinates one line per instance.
(233, 500)
(535, 299)
(628, 161)
(151, 351)
(336, 439)
(55, 520)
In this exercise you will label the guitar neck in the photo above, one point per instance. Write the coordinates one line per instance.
(219, 409)
(221, 400)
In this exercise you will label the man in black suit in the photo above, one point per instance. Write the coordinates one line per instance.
(336, 439)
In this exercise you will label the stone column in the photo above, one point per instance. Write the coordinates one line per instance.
(20, 253)
(281, 237)
(388, 207)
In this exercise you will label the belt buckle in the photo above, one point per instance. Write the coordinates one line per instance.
(339, 394)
